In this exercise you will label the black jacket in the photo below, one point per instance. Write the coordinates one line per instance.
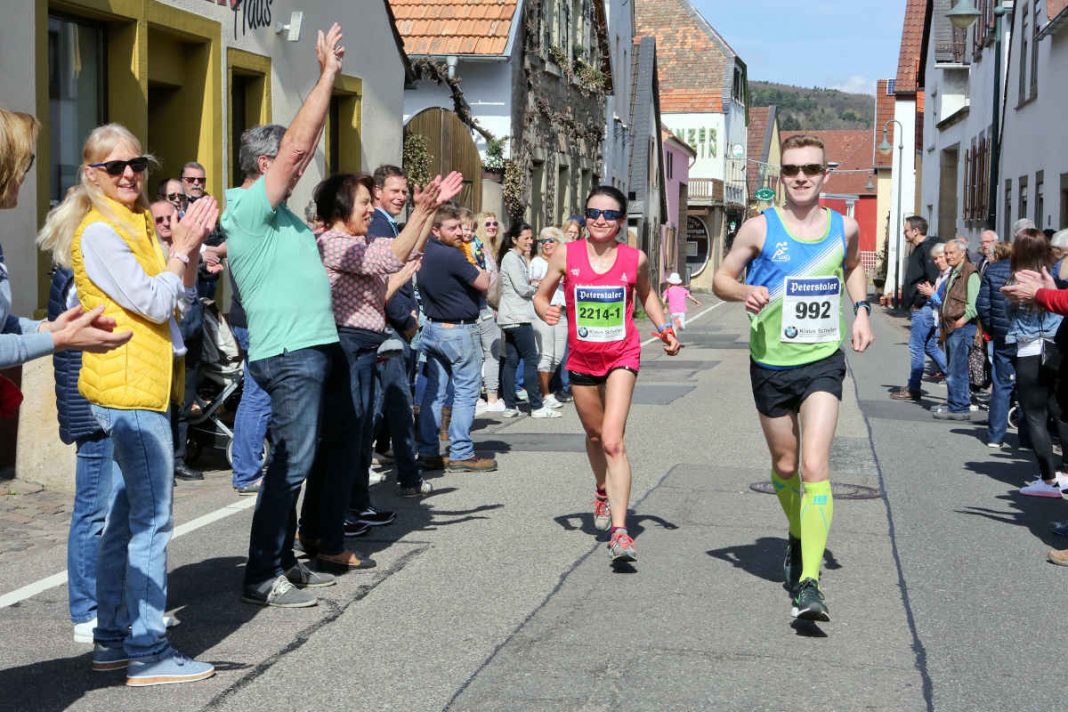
(918, 269)
(991, 304)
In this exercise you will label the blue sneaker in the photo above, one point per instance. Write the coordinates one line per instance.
(106, 659)
(168, 668)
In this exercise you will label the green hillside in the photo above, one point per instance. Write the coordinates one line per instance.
(814, 109)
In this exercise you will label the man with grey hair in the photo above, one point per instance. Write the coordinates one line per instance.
(958, 315)
(987, 240)
(1021, 225)
(292, 336)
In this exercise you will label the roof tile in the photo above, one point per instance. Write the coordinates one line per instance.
(441, 27)
(908, 63)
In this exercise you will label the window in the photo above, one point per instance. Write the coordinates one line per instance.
(1034, 49)
(1040, 199)
(669, 164)
(1025, 40)
(1007, 230)
(1022, 212)
(76, 71)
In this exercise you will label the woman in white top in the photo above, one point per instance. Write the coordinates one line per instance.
(551, 340)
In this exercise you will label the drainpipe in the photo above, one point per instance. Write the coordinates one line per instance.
(995, 124)
(451, 62)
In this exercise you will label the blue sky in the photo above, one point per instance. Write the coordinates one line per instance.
(843, 44)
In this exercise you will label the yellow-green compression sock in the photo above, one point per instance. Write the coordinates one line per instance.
(817, 509)
(790, 499)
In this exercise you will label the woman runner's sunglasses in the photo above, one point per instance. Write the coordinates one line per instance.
(594, 213)
(117, 168)
(809, 169)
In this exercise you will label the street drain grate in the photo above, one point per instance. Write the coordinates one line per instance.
(840, 490)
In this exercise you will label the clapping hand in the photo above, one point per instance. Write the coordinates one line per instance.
(438, 191)
(85, 331)
(1027, 283)
(328, 50)
(197, 224)
(925, 288)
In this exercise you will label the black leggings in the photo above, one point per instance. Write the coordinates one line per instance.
(1036, 392)
(519, 344)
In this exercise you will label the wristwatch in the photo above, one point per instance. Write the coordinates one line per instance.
(862, 304)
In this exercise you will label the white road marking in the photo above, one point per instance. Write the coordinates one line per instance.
(30, 590)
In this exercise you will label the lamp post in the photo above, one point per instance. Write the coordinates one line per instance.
(885, 148)
(963, 16)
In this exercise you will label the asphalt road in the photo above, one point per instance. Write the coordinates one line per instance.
(496, 593)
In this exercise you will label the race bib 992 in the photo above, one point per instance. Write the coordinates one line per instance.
(811, 310)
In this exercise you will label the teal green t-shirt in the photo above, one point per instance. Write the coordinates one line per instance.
(279, 273)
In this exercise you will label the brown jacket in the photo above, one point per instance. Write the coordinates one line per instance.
(956, 299)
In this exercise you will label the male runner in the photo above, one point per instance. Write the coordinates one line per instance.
(796, 260)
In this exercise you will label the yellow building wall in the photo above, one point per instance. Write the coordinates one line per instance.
(884, 187)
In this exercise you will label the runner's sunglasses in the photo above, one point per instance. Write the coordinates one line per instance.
(809, 169)
(117, 168)
(594, 213)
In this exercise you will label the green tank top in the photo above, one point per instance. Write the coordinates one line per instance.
(803, 322)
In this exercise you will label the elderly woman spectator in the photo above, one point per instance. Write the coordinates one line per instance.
(104, 229)
(361, 273)
(958, 315)
(994, 316)
(551, 340)
(1058, 246)
(22, 340)
(516, 317)
(1032, 330)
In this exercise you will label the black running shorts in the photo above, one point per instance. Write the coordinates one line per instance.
(585, 379)
(779, 392)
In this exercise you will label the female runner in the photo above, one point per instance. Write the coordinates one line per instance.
(600, 277)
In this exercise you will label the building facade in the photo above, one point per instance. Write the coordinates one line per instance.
(677, 157)
(186, 77)
(617, 137)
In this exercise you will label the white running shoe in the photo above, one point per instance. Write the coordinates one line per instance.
(521, 395)
(480, 406)
(550, 401)
(510, 413)
(547, 412)
(496, 406)
(375, 477)
(1039, 488)
(1061, 480)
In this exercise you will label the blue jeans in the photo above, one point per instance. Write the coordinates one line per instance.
(519, 344)
(250, 423)
(1003, 376)
(453, 354)
(294, 381)
(958, 343)
(131, 572)
(923, 339)
(393, 409)
(95, 476)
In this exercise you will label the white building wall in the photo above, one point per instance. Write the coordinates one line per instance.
(1032, 140)
(903, 190)
(617, 107)
(736, 151)
(487, 87)
(707, 134)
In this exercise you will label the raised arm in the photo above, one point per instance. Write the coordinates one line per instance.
(427, 201)
(301, 138)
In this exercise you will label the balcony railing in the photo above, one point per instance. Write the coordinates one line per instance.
(705, 191)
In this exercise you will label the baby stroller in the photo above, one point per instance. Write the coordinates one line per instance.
(222, 371)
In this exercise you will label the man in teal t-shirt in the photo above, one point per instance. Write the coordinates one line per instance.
(292, 337)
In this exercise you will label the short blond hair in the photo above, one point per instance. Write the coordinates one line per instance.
(18, 141)
(804, 141)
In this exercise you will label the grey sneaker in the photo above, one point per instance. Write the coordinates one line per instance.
(279, 593)
(106, 659)
(791, 565)
(252, 488)
(417, 490)
(303, 577)
(621, 548)
(167, 668)
(809, 604)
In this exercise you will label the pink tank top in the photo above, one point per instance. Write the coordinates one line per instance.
(601, 334)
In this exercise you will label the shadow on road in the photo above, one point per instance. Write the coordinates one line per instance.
(763, 558)
(1035, 513)
(203, 592)
(584, 521)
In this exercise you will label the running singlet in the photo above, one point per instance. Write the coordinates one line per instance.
(805, 279)
(600, 312)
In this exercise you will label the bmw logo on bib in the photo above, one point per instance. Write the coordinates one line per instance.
(790, 332)
(582, 332)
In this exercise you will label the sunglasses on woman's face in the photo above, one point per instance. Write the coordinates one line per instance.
(117, 168)
(491, 223)
(594, 213)
(547, 241)
(175, 196)
(809, 169)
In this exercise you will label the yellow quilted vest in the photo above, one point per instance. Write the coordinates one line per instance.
(137, 375)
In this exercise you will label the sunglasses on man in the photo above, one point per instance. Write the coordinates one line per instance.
(594, 213)
(117, 168)
(809, 169)
(163, 218)
(198, 180)
(175, 196)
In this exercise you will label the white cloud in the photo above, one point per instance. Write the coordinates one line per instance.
(856, 84)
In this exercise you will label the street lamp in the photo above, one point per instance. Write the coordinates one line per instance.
(963, 16)
(885, 148)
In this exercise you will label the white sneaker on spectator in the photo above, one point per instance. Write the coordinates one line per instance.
(521, 395)
(480, 406)
(375, 477)
(510, 413)
(1039, 488)
(550, 401)
(547, 412)
(496, 406)
(1061, 480)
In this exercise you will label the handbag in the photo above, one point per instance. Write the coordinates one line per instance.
(978, 367)
(493, 294)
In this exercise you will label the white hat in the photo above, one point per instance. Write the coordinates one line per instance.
(674, 278)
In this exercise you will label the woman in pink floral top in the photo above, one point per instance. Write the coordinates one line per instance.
(362, 272)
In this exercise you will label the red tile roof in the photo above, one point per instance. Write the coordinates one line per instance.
(441, 27)
(694, 60)
(852, 150)
(884, 111)
(909, 71)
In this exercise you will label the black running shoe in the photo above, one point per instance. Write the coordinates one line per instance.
(791, 566)
(372, 517)
(808, 603)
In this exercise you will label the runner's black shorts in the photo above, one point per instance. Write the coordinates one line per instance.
(779, 392)
(585, 379)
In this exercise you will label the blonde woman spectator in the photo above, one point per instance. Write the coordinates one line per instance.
(487, 234)
(551, 340)
(572, 228)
